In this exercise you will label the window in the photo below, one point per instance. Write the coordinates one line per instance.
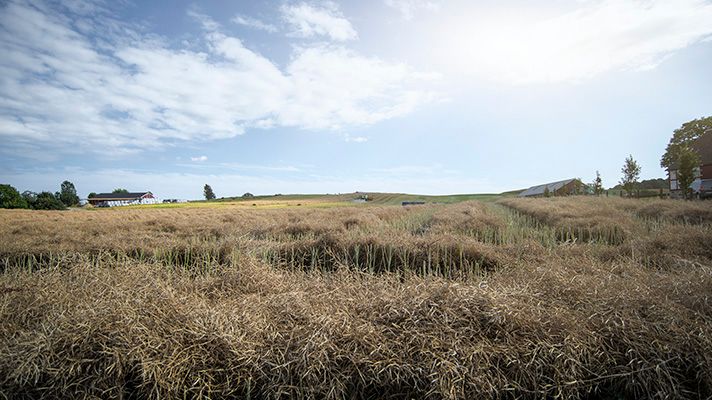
(673, 185)
(673, 175)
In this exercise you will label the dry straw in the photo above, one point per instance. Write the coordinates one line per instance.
(444, 301)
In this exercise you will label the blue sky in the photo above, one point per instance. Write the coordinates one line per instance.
(418, 96)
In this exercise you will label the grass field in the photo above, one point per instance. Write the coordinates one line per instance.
(318, 297)
(326, 200)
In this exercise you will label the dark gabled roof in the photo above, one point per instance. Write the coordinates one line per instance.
(541, 189)
(119, 196)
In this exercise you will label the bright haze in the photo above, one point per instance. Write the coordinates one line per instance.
(417, 96)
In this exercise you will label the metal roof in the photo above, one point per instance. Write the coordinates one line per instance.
(541, 189)
(119, 196)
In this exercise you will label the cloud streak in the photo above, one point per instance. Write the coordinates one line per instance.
(309, 21)
(254, 23)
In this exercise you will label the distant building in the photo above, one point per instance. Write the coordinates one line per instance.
(560, 188)
(702, 185)
(122, 199)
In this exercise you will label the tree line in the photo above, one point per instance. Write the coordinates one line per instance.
(679, 156)
(65, 197)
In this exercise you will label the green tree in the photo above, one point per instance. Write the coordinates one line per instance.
(547, 192)
(683, 137)
(208, 192)
(10, 198)
(30, 197)
(48, 201)
(68, 194)
(119, 190)
(92, 194)
(598, 184)
(687, 162)
(631, 173)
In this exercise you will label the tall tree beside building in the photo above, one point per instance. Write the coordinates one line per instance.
(683, 137)
(598, 184)
(68, 194)
(631, 173)
(687, 162)
(208, 192)
(119, 190)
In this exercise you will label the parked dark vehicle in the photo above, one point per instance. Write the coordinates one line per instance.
(702, 188)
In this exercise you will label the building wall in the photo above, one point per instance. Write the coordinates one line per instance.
(703, 172)
(706, 171)
(672, 180)
(569, 188)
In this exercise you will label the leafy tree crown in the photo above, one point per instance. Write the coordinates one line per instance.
(683, 137)
(631, 173)
(68, 194)
(10, 198)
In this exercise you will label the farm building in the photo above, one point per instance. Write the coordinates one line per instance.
(702, 184)
(122, 199)
(560, 188)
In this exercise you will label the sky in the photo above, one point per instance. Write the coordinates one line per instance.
(414, 96)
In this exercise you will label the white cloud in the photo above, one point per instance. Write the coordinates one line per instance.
(594, 37)
(199, 159)
(308, 21)
(369, 90)
(408, 8)
(255, 23)
(71, 91)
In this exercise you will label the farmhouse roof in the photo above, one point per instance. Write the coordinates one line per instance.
(541, 189)
(119, 196)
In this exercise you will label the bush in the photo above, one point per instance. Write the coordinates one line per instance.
(47, 201)
(10, 198)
